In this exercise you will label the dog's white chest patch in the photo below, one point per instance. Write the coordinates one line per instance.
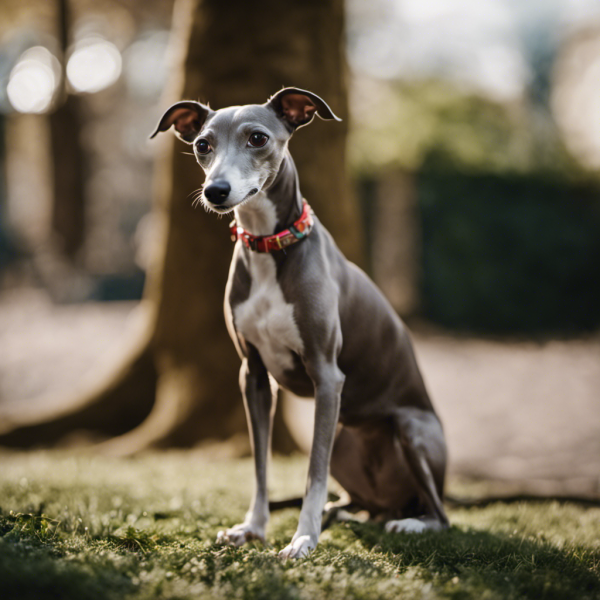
(266, 320)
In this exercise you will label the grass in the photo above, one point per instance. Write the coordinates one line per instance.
(97, 528)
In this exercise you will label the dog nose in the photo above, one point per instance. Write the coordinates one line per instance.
(217, 191)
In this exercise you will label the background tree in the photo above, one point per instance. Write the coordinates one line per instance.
(177, 383)
(68, 154)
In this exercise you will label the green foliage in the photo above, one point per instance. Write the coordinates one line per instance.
(509, 253)
(26, 525)
(134, 539)
(510, 222)
(401, 125)
(145, 528)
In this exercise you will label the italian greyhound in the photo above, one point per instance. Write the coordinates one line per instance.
(303, 317)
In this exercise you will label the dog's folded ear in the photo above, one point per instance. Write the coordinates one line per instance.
(298, 107)
(187, 117)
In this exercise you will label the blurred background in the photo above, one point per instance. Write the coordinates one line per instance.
(465, 179)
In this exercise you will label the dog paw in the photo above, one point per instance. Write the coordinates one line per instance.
(240, 534)
(406, 526)
(298, 548)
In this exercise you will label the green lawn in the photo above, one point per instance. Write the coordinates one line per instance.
(91, 527)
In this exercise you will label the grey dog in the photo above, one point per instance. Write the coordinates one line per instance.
(301, 316)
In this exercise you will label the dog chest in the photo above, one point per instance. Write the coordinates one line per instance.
(266, 320)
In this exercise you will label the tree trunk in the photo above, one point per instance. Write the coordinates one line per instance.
(396, 242)
(234, 52)
(68, 204)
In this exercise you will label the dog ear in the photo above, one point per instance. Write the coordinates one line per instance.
(187, 117)
(298, 107)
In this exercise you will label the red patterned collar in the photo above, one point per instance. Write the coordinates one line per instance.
(271, 243)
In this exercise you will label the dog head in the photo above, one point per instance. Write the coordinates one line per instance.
(240, 148)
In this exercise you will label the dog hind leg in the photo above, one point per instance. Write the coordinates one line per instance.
(420, 439)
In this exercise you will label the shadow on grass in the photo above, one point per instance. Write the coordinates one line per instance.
(35, 571)
(466, 563)
(354, 561)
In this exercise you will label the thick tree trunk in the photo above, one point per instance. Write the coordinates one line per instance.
(233, 52)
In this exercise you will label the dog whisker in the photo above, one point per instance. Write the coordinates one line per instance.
(197, 196)
(198, 191)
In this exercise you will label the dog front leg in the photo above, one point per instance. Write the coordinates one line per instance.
(328, 381)
(260, 405)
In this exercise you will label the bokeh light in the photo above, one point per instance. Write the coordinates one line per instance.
(576, 101)
(94, 65)
(33, 81)
(145, 64)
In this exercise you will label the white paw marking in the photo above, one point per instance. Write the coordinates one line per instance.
(298, 548)
(406, 526)
(240, 534)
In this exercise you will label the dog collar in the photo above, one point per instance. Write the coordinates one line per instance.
(271, 243)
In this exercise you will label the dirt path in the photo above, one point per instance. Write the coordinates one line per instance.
(512, 410)
(519, 410)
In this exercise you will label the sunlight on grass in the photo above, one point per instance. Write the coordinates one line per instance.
(92, 527)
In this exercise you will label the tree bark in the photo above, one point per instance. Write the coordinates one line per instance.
(396, 242)
(229, 53)
(68, 156)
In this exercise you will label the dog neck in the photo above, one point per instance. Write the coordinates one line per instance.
(277, 206)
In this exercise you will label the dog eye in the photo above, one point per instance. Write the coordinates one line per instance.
(257, 140)
(203, 147)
